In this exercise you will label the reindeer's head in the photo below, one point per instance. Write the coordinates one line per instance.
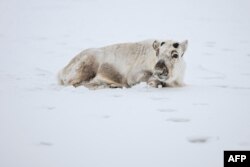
(170, 59)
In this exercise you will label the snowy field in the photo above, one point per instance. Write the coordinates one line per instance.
(43, 124)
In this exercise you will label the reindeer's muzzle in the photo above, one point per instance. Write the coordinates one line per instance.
(161, 71)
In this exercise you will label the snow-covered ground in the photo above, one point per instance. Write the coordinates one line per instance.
(45, 125)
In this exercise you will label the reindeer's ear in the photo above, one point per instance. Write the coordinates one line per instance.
(156, 44)
(184, 45)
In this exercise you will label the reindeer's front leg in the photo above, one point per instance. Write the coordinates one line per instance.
(138, 76)
(155, 83)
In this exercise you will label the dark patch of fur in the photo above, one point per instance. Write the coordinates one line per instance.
(108, 71)
(146, 76)
(86, 71)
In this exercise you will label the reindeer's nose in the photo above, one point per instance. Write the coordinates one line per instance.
(161, 68)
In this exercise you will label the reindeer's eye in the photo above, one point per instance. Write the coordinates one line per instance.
(175, 45)
(175, 56)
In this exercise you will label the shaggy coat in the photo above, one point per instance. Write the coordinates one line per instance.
(123, 65)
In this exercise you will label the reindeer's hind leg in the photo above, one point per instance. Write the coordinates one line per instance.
(79, 71)
(107, 77)
(111, 76)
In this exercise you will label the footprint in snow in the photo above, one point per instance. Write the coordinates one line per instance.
(55, 86)
(198, 139)
(216, 73)
(201, 139)
(221, 86)
(246, 74)
(200, 104)
(178, 120)
(48, 108)
(159, 98)
(227, 50)
(166, 110)
(42, 72)
(62, 43)
(233, 87)
(208, 54)
(19, 78)
(40, 38)
(42, 143)
(106, 116)
(210, 44)
(244, 143)
(117, 95)
(240, 88)
(213, 77)
(32, 89)
(244, 42)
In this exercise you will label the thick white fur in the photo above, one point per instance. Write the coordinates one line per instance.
(131, 61)
(176, 66)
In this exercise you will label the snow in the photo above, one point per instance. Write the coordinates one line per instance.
(43, 124)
